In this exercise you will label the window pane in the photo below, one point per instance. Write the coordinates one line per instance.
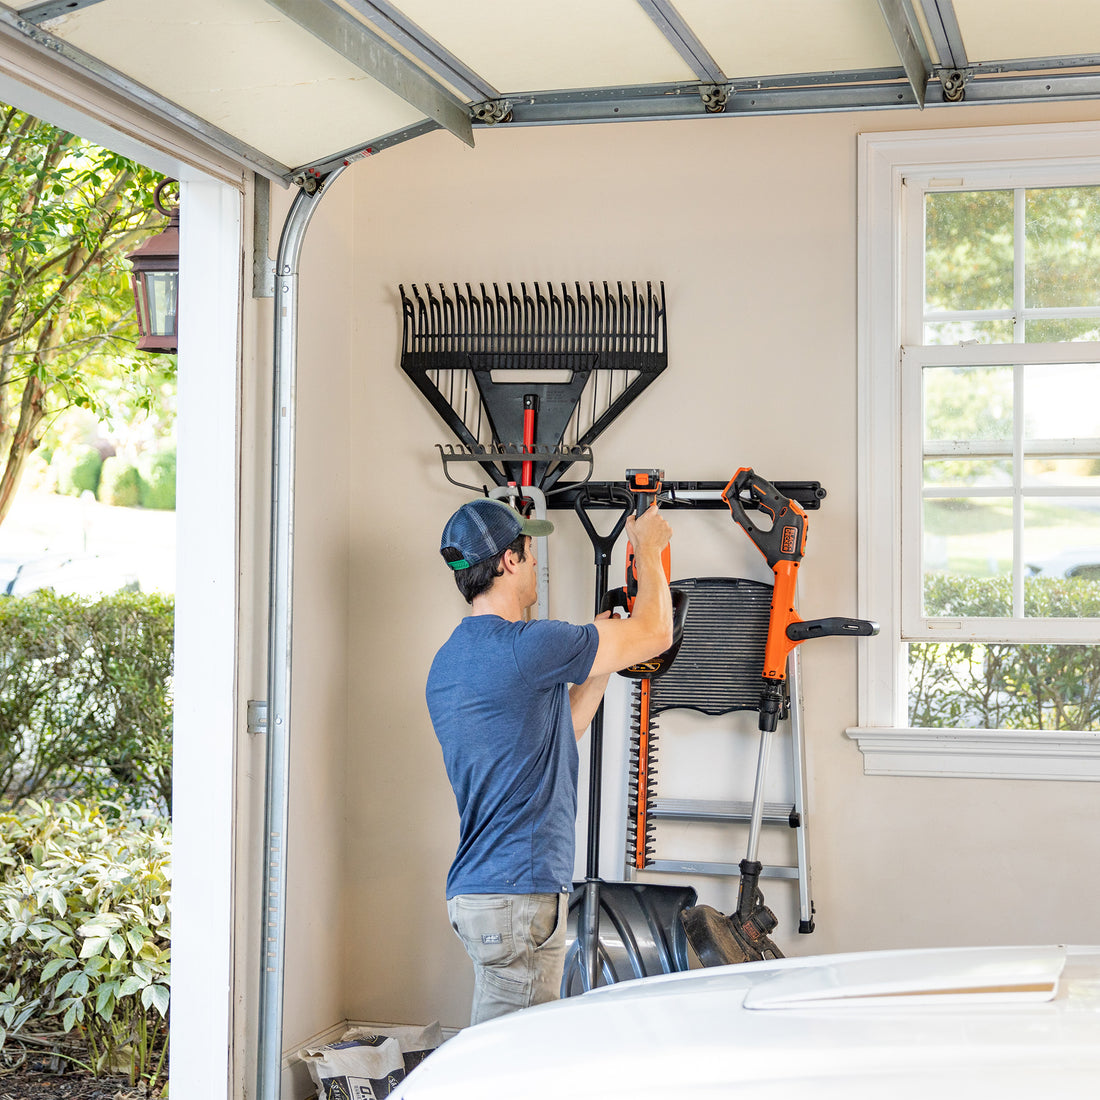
(968, 250)
(1060, 332)
(967, 537)
(967, 403)
(1062, 401)
(1062, 557)
(981, 332)
(966, 685)
(1062, 473)
(1062, 247)
(949, 473)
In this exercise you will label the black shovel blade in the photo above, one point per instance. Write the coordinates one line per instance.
(640, 933)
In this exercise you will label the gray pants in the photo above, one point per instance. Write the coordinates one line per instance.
(517, 945)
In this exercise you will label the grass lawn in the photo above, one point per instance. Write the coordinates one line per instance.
(974, 537)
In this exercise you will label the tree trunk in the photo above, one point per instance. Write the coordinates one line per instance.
(32, 410)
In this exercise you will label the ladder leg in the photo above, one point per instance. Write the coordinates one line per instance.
(798, 765)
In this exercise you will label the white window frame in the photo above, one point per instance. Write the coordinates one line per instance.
(1001, 157)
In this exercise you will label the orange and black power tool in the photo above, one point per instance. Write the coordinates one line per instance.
(645, 487)
(783, 545)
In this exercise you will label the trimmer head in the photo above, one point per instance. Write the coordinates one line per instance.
(719, 940)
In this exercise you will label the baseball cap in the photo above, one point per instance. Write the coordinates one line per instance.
(484, 528)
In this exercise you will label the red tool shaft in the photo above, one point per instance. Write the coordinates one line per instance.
(641, 812)
(530, 404)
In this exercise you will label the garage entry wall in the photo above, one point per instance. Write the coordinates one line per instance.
(752, 226)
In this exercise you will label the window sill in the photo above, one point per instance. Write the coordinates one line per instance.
(978, 754)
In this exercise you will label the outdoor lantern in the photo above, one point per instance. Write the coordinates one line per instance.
(155, 278)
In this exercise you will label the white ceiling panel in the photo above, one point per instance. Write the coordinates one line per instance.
(244, 68)
(549, 44)
(996, 30)
(754, 38)
(256, 77)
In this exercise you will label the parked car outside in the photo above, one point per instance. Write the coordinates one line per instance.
(1069, 563)
(67, 574)
(1010, 1022)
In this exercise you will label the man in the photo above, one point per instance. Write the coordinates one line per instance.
(508, 722)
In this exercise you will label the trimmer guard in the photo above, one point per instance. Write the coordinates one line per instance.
(616, 599)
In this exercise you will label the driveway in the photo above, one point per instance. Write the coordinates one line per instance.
(81, 547)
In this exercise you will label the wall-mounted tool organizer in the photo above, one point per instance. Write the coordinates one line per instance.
(527, 378)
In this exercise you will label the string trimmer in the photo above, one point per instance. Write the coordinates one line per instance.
(744, 935)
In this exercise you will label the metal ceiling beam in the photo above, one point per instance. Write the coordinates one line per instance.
(797, 94)
(1032, 64)
(1038, 88)
(354, 41)
(39, 13)
(321, 168)
(651, 103)
(901, 21)
(59, 51)
(684, 40)
(426, 49)
(946, 37)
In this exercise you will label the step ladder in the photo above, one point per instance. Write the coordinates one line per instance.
(716, 672)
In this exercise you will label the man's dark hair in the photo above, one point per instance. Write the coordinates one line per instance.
(475, 580)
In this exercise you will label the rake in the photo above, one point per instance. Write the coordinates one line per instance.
(528, 377)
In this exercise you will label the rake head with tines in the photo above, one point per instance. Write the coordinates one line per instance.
(535, 372)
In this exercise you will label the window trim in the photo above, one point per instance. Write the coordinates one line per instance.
(1007, 156)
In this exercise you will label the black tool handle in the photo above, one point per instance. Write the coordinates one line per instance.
(644, 485)
(603, 545)
(785, 540)
(836, 627)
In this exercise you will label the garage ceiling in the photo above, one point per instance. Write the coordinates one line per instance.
(293, 88)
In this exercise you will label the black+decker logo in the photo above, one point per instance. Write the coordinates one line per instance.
(789, 540)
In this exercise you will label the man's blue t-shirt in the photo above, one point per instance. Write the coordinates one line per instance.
(498, 697)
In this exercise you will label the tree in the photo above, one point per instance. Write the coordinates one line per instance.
(970, 260)
(69, 211)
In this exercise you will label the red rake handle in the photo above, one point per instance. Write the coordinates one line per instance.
(530, 407)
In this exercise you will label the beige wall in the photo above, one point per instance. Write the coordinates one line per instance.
(751, 225)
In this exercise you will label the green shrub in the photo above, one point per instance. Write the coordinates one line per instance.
(86, 698)
(119, 483)
(78, 470)
(85, 933)
(985, 685)
(158, 480)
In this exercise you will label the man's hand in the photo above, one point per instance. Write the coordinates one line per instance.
(648, 631)
(650, 532)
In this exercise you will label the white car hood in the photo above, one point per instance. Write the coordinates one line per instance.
(1006, 1021)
